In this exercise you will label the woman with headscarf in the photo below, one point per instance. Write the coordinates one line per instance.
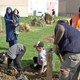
(11, 37)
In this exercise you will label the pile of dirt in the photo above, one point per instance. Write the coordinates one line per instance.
(24, 27)
(28, 72)
(48, 18)
(38, 22)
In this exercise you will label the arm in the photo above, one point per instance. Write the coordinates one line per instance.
(44, 61)
(7, 19)
(43, 66)
(59, 34)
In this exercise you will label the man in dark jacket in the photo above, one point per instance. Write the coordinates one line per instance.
(67, 39)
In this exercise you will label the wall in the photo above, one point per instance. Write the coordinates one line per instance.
(21, 5)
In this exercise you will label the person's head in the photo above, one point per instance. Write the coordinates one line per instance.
(39, 46)
(8, 10)
(16, 12)
(61, 21)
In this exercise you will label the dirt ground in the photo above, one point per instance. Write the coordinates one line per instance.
(28, 72)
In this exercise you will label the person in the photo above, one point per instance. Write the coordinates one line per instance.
(16, 19)
(53, 12)
(40, 61)
(75, 76)
(11, 37)
(67, 40)
(75, 20)
(53, 15)
(15, 53)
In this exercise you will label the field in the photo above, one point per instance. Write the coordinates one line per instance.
(29, 39)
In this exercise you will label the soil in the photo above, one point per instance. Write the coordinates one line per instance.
(28, 72)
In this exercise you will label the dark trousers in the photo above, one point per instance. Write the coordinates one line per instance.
(17, 62)
(11, 43)
(35, 59)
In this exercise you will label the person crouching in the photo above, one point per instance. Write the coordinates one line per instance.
(40, 62)
(15, 53)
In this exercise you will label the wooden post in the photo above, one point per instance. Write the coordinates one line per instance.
(49, 66)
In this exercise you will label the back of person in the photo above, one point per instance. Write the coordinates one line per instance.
(42, 56)
(70, 41)
(15, 50)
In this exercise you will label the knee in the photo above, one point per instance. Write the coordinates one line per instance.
(64, 75)
(64, 72)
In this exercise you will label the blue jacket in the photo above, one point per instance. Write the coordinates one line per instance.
(10, 29)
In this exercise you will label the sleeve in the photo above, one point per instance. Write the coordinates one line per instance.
(59, 34)
(7, 19)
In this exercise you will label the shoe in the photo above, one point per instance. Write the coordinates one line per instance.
(33, 66)
(17, 32)
(20, 77)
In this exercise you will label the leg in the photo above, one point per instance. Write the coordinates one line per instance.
(10, 43)
(35, 65)
(35, 59)
(69, 66)
(17, 62)
(76, 76)
(15, 41)
(9, 63)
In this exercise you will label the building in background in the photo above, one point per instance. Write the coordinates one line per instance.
(30, 7)
(39, 7)
(68, 7)
(21, 5)
(52, 4)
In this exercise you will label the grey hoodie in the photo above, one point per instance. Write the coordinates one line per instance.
(14, 50)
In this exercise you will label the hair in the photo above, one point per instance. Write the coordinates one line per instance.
(16, 10)
(8, 9)
(62, 21)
